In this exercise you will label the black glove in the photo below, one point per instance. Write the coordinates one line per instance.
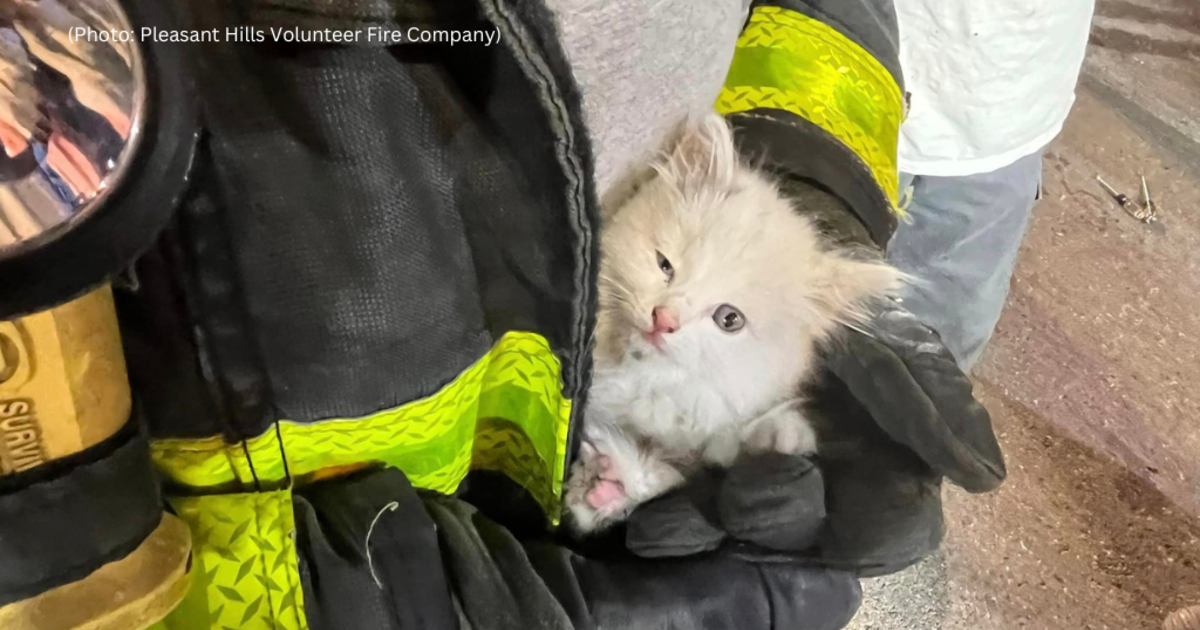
(899, 416)
(895, 415)
(436, 562)
(773, 501)
(911, 385)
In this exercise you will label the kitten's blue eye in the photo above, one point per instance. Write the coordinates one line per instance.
(728, 318)
(665, 265)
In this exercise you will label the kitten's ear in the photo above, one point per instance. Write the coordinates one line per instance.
(704, 157)
(850, 285)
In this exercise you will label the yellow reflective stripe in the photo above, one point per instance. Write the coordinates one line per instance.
(245, 572)
(787, 60)
(504, 413)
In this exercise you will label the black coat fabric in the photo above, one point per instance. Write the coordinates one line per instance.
(364, 222)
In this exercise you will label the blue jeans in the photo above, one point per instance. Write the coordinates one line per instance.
(960, 239)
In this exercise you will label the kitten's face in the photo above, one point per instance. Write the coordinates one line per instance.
(741, 284)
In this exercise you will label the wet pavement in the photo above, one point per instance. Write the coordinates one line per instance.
(1092, 375)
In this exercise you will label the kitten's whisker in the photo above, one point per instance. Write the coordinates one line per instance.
(613, 287)
(858, 330)
(618, 289)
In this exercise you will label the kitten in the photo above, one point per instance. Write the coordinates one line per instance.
(714, 293)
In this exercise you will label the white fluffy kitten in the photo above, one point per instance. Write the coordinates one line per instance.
(714, 293)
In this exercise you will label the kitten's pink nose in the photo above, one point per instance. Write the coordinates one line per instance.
(664, 321)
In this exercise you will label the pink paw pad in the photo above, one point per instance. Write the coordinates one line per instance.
(605, 493)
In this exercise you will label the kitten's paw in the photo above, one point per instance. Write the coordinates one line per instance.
(783, 430)
(607, 492)
(596, 496)
(721, 450)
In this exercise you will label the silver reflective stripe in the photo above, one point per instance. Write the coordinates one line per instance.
(72, 95)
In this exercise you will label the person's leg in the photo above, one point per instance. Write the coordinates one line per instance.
(960, 240)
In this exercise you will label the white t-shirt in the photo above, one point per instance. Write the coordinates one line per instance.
(991, 80)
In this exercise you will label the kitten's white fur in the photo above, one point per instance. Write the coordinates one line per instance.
(706, 395)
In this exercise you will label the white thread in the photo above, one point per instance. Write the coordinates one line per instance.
(391, 507)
